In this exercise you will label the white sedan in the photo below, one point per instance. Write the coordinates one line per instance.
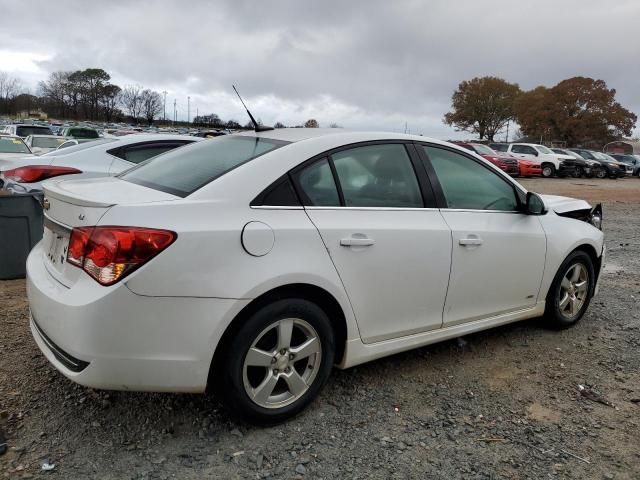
(98, 158)
(253, 263)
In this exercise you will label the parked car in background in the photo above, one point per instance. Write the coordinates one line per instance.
(41, 144)
(628, 169)
(79, 132)
(632, 160)
(550, 163)
(99, 158)
(609, 167)
(253, 264)
(24, 130)
(12, 148)
(503, 161)
(74, 141)
(583, 166)
(499, 147)
(209, 134)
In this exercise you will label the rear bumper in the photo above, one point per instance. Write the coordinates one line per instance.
(111, 338)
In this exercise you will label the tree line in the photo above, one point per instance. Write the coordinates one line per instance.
(578, 111)
(81, 95)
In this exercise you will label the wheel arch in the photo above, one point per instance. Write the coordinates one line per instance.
(313, 293)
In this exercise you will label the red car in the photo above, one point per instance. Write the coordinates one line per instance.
(529, 169)
(501, 160)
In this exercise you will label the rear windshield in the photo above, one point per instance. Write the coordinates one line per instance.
(184, 170)
(47, 142)
(25, 131)
(83, 133)
(13, 145)
(483, 149)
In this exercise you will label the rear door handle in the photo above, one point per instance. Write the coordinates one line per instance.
(470, 241)
(357, 241)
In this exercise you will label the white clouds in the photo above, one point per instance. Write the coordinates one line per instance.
(368, 64)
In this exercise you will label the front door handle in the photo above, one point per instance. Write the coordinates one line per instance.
(357, 241)
(470, 241)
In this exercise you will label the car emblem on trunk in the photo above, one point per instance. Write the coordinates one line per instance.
(45, 204)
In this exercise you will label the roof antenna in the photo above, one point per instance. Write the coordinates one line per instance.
(256, 127)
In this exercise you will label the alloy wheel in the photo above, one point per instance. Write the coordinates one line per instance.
(282, 363)
(574, 290)
(547, 171)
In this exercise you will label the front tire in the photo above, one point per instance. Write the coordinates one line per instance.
(578, 172)
(601, 173)
(277, 362)
(571, 291)
(548, 170)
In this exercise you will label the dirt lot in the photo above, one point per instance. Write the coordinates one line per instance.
(499, 404)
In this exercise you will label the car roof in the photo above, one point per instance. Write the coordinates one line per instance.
(45, 136)
(294, 135)
(150, 137)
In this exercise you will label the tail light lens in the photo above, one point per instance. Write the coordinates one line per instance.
(109, 254)
(37, 173)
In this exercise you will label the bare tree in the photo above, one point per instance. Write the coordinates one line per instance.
(9, 89)
(151, 104)
(131, 98)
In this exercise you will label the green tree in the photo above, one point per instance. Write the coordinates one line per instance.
(311, 123)
(482, 105)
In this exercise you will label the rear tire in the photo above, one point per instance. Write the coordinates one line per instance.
(601, 173)
(277, 362)
(571, 291)
(578, 172)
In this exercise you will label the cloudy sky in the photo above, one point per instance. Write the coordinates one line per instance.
(365, 65)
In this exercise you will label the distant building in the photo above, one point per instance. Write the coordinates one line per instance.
(624, 146)
(36, 114)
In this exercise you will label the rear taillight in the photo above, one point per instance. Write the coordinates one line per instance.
(37, 173)
(108, 254)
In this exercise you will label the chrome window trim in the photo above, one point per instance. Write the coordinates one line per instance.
(379, 209)
(276, 207)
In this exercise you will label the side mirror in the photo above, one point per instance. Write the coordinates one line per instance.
(534, 205)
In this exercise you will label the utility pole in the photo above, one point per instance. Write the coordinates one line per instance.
(507, 140)
(164, 107)
(188, 110)
(175, 112)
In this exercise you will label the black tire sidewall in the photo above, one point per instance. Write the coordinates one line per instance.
(231, 371)
(552, 314)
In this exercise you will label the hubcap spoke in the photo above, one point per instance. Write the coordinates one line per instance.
(307, 349)
(574, 306)
(258, 358)
(263, 391)
(581, 286)
(285, 329)
(564, 301)
(577, 270)
(566, 284)
(296, 383)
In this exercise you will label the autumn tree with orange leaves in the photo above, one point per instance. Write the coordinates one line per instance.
(577, 111)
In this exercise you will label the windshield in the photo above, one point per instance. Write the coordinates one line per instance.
(13, 145)
(543, 149)
(79, 147)
(25, 131)
(184, 170)
(483, 149)
(47, 142)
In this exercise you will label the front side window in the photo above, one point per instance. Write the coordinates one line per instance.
(468, 185)
(377, 176)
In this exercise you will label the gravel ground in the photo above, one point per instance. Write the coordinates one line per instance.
(498, 404)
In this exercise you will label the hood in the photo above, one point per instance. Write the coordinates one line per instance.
(564, 204)
(562, 156)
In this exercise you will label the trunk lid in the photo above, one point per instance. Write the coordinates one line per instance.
(82, 203)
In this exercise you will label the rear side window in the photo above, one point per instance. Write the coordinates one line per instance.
(317, 186)
(183, 171)
(377, 176)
